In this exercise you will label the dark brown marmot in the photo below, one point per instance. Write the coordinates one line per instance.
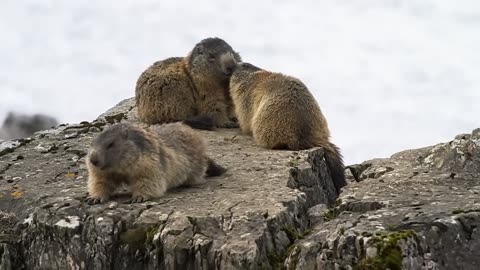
(193, 89)
(150, 160)
(280, 113)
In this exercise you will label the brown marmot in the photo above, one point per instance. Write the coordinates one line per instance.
(193, 89)
(280, 113)
(150, 160)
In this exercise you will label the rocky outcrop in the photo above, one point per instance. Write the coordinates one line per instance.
(245, 219)
(419, 209)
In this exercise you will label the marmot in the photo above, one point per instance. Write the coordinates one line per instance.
(193, 89)
(280, 113)
(150, 160)
(18, 125)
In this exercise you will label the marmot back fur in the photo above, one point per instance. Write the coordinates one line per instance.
(150, 160)
(280, 113)
(184, 88)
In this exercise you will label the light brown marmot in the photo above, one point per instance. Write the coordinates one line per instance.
(150, 160)
(193, 89)
(280, 113)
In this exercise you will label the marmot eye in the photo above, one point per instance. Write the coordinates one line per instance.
(110, 145)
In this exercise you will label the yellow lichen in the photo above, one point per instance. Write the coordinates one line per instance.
(17, 194)
(70, 175)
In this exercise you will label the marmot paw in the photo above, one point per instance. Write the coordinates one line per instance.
(93, 200)
(138, 199)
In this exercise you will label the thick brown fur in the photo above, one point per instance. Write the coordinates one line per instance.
(151, 160)
(181, 88)
(280, 113)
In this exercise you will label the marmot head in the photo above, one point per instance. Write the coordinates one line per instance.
(117, 148)
(213, 56)
(243, 74)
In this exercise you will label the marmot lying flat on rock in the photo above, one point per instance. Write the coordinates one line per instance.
(193, 89)
(280, 113)
(150, 160)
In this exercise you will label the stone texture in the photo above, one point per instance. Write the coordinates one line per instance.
(419, 209)
(245, 219)
(423, 202)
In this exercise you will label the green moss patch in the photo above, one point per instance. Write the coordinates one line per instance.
(332, 213)
(294, 162)
(389, 254)
(292, 233)
(338, 202)
(277, 260)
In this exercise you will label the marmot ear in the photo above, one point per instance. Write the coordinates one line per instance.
(199, 49)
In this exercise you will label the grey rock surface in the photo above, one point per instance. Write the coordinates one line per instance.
(245, 219)
(419, 209)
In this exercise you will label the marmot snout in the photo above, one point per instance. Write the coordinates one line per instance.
(280, 113)
(228, 64)
(149, 160)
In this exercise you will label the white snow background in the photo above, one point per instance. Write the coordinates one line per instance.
(389, 75)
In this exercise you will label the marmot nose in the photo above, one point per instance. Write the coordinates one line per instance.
(228, 63)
